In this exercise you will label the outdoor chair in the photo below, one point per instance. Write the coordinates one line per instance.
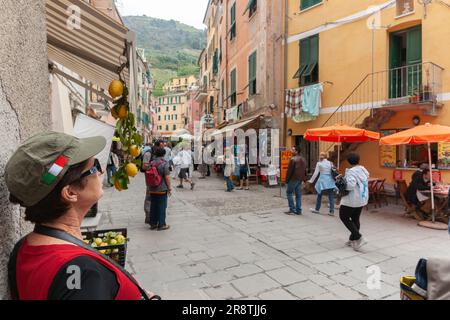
(372, 194)
(402, 187)
(380, 192)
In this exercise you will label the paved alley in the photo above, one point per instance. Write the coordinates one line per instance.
(240, 245)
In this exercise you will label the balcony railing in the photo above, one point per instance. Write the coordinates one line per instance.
(398, 88)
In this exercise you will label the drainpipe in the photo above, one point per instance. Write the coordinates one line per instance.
(285, 71)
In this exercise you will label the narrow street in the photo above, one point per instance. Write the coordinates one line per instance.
(240, 245)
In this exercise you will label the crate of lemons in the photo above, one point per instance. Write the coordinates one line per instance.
(112, 243)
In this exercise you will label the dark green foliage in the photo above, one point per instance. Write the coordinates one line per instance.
(171, 47)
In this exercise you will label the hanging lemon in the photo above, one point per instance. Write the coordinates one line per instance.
(114, 113)
(123, 111)
(131, 170)
(134, 151)
(115, 89)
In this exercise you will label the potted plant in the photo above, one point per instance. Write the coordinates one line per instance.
(415, 96)
(426, 95)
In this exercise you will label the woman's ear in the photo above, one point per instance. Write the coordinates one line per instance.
(69, 195)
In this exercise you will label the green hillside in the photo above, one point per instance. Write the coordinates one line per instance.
(171, 47)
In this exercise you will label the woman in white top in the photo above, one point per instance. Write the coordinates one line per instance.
(325, 183)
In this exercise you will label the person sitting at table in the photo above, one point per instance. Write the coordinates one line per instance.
(420, 181)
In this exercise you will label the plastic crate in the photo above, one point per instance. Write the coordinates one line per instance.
(121, 255)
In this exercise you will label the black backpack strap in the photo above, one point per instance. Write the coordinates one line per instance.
(62, 235)
(12, 273)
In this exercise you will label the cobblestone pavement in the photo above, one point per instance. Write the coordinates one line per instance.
(240, 245)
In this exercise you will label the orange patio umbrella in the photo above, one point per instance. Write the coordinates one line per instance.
(341, 133)
(424, 134)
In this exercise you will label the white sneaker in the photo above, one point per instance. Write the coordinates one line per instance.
(357, 244)
(314, 211)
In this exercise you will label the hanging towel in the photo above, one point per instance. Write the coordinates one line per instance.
(293, 102)
(311, 99)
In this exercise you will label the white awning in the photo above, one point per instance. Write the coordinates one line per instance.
(95, 50)
(233, 127)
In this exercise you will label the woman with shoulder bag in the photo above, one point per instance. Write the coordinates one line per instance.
(325, 183)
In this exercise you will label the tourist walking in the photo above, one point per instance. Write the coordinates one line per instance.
(295, 176)
(356, 178)
(111, 167)
(158, 186)
(244, 171)
(184, 160)
(228, 170)
(325, 183)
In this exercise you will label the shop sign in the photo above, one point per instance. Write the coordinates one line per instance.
(398, 175)
(284, 163)
(388, 154)
(444, 155)
(437, 176)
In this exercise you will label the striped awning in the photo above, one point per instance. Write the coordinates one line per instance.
(93, 46)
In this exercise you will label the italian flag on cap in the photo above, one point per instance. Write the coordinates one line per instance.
(52, 174)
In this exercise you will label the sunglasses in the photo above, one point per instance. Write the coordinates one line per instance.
(96, 168)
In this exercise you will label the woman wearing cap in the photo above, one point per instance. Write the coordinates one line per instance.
(57, 178)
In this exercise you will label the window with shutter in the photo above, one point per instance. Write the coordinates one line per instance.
(308, 71)
(233, 87)
(252, 74)
(305, 4)
(233, 22)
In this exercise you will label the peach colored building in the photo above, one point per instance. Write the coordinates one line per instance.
(240, 77)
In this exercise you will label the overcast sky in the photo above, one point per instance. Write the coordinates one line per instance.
(190, 12)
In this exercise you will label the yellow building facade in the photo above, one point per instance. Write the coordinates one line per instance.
(180, 84)
(170, 111)
(383, 66)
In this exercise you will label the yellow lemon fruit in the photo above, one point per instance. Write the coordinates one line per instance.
(131, 170)
(115, 89)
(112, 242)
(123, 112)
(134, 151)
(98, 241)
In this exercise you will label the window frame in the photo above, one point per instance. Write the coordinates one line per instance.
(252, 83)
(233, 92)
(308, 72)
(306, 4)
(233, 22)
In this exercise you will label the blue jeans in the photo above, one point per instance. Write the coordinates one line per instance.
(110, 171)
(158, 209)
(294, 187)
(330, 199)
(230, 185)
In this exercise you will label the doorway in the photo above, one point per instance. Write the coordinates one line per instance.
(405, 62)
(310, 150)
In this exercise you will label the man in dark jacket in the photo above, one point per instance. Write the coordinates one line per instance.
(296, 174)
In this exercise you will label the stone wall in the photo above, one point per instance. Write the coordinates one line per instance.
(24, 105)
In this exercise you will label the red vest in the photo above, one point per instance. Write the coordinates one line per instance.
(37, 266)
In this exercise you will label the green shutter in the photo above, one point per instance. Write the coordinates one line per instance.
(305, 51)
(252, 73)
(308, 3)
(414, 59)
(233, 13)
(233, 81)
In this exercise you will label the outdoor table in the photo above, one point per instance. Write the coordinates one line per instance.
(441, 197)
